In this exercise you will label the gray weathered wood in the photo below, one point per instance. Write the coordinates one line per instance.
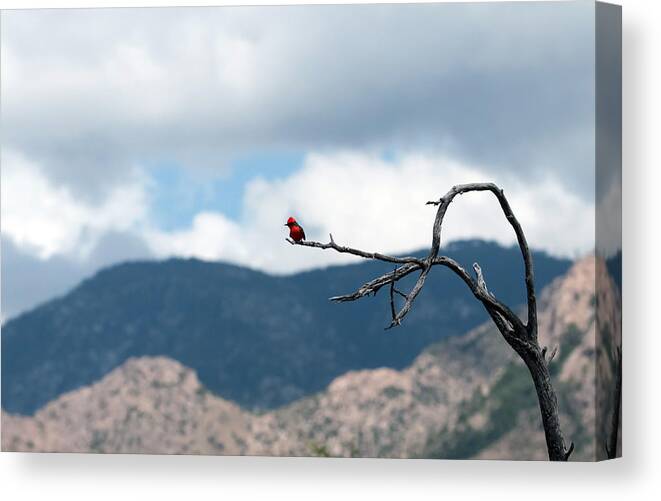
(611, 446)
(522, 337)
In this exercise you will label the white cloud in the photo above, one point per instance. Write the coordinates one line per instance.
(114, 87)
(47, 219)
(211, 236)
(364, 200)
(373, 204)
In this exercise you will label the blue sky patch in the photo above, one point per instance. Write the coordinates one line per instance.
(178, 193)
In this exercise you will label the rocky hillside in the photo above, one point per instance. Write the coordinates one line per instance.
(148, 405)
(463, 397)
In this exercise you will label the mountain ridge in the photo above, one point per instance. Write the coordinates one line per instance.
(259, 340)
(464, 396)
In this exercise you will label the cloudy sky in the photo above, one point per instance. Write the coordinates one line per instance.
(147, 133)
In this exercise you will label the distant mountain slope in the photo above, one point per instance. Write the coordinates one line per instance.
(259, 340)
(148, 405)
(465, 396)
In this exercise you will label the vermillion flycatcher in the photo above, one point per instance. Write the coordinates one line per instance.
(295, 230)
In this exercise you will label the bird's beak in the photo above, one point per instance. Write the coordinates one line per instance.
(286, 224)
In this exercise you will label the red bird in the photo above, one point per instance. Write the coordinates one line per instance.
(295, 230)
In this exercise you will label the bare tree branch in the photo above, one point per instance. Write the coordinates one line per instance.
(410, 297)
(487, 299)
(551, 356)
(413, 264)
(393, 311)
(433, 259)
(373, 286)
(521, 337)
(481, 284)
(356, 252)
(611, 446)
(443, 204)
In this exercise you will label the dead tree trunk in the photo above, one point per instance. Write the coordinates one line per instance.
(548, 405)
(611, 446)
(522, 337)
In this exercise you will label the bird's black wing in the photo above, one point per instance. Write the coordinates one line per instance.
(302, 231)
